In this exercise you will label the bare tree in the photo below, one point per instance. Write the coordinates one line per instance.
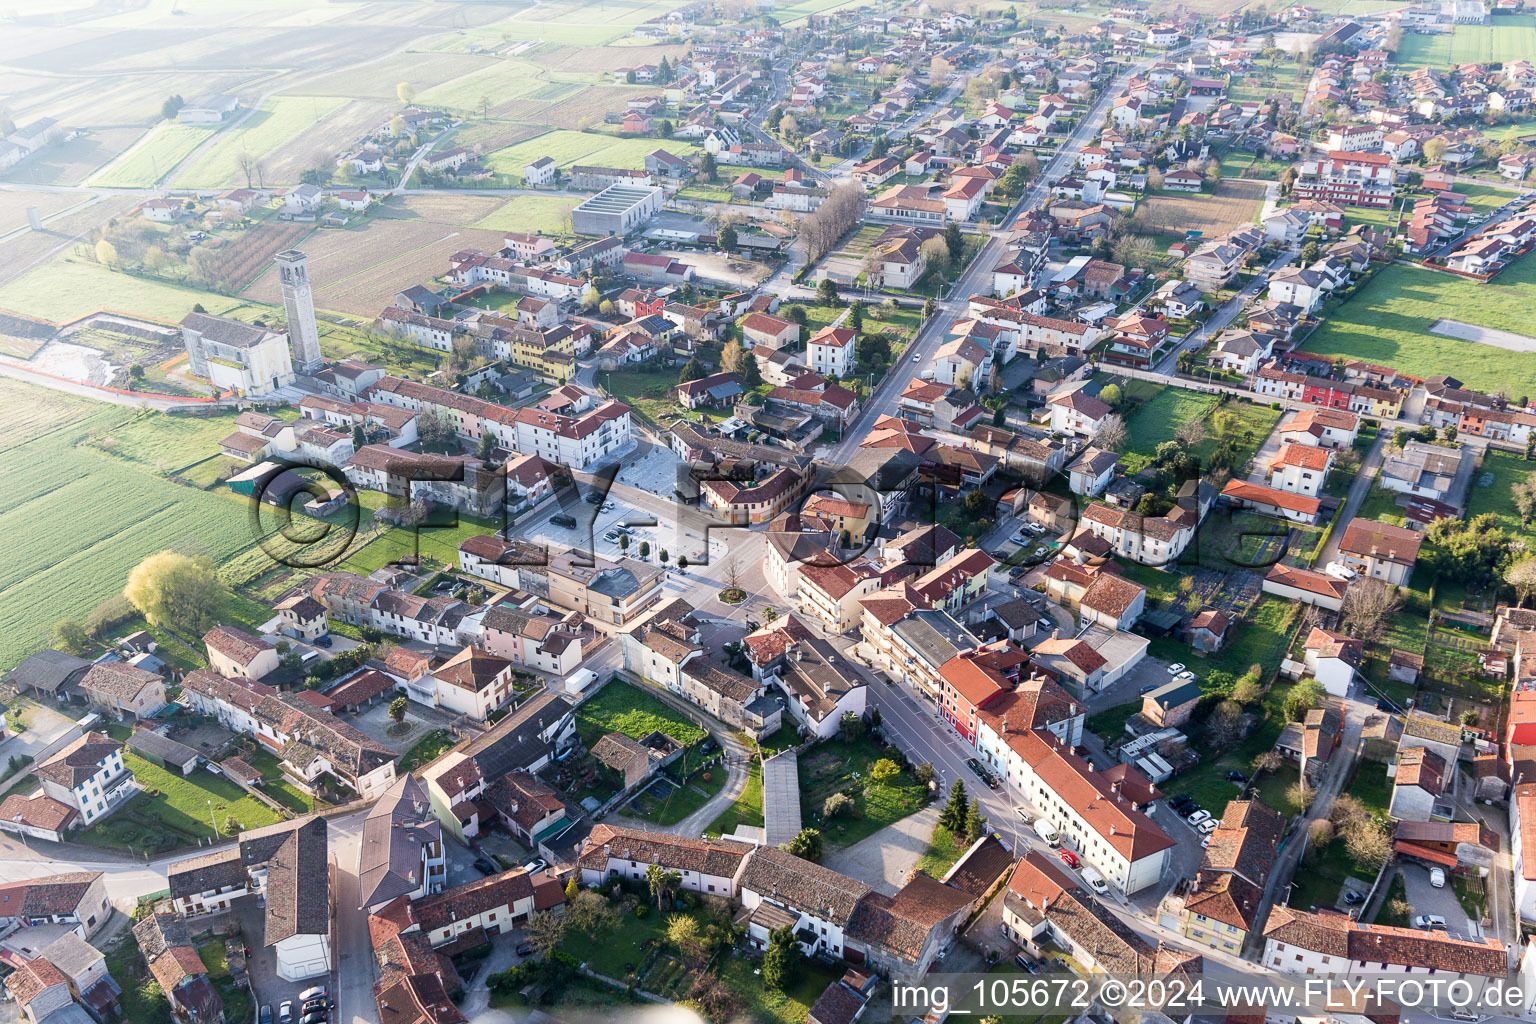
(248, 165)
(1522, 577)
(1111, 435)
(1191, 433)
(1368, 606)
(838, 212)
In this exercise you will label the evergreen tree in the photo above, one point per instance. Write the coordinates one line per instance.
(953, 815)
(955, 241)
(975, 824)
(692, 370)
(728, 238)
(751, 374)
(359, 438)
(856, 314)
(781, 958)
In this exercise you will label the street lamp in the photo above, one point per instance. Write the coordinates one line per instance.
(21, 831)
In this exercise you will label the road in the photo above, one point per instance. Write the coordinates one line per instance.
(976, 276)
(1228, 312)
(1357, 492)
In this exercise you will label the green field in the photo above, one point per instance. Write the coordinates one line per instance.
(567, 147)
(1506, 39)
(154, 156)
(174, 810)
(1507, 470)
(1159, 420)
(501, 81)
(748, 808)
(67, 288)
(78, 519)
(837, 767)
(280, 120)
(547, 215)
(630, 711)
(1388, 322)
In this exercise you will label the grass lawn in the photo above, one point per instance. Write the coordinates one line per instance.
(1238, 540)
(1109, 724)
(1388, 322)
(276, 786)
(1323, 872)
(67, 288)
(502, 80)
(567, 147)
(943, 850)
(1397, 896)
(545, 215)
(877, 318)
(1497, 498)
(1159, 419)
(237, 998)
(173, 811)
(1505, 39)
(1273, 789)
(427, 542)
(426, 750)
(623, 950)
(281, 120)
(622, 708)
(153, 157)
(748, 808)
(665, 804)
(649, 391)
(837, 767)
(768, 1004)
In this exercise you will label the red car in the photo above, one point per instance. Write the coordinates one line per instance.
(1068, 858)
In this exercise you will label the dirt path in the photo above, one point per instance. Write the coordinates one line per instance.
(1484, 335)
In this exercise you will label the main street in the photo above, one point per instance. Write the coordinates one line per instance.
(976, 276)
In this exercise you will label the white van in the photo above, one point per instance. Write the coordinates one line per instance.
(1095, 881)
(1045, 830)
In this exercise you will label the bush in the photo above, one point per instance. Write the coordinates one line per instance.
(642, 910)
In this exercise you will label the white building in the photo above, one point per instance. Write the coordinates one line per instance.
(830, 351)
(236, 356)
(89, 775)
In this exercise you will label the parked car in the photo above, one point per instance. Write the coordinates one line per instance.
(1199, 816)
(1236, 777)
(1068, 858)
(285, 1012)
(1023, 815)
(525, 949)
(1025, 963)
(1176, 668)
(1339, 571)
(1147, 689)
(595, 498)
(1205, 842)
(484, 866)
(917, 359)
(561, 519)
(1429, 921)
(1035, 528)
(266, 1015)
(1184, 677)
(1353, 898)
(1437, 877)
(318, 1017)
(1019, 538)
(1208, 826)
(537, 864)
(322, 641)
(976, 766)
(314, 992)
(320, 1003)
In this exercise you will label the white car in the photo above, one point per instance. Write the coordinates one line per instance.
(1184, 677)
(1340, 571)
(1198, 817)
(1437, 877)
(1176, 668)
(1207, 826)
(917, 359)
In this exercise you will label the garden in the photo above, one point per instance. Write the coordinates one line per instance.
(836, 766)
(174, 811)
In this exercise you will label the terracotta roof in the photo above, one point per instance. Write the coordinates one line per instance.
(1337, 935)
(1368, 538)
(803, 885)
(1303, 456)
(80, 760)
(1050, 891)
(721, 857)
(1421, 767)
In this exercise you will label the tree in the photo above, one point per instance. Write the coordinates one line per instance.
(1190, 433)
(397, 709)
(1319, 833)
(486, 446)
(795, 314)
(788, 125)
(692, 370)
(728, 238)
(171, 589)
(975, 825)
(645, 549)
(928, 306)
(1112, 396)
(591, 914)
(1226, 725)
(826, 292)
(751, 373)
(359, 436)
(656, 879)
(836, 805)
(709, 167)
(1522, 577)
(684, 933)
(1434, 150)
(952, 816)
(884, 770)
(1015, 179)
(71, 634)
(546, 932)
(781, 958)
(851, 726)
(1111, 435)
(682, 561)
(172, 106)
(935, 252)
(1367, 840)
(591, 297)
(1523, 494)
(1304, 697)
(623, 542)
(1248, 690)
(1369, 606)
(856, 314)
(808, 844)
(923, 773)
(406, 92)
(955, 242)
(732, 356)
(106, 253)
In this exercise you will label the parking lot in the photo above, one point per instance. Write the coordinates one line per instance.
(1426, 899)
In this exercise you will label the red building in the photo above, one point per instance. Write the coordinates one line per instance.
(975, 679)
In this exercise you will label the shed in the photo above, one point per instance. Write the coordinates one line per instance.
(163, 751)
(48, 672)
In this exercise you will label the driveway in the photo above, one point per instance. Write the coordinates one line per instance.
(885, 859)
(419, 721)
(1426, 899)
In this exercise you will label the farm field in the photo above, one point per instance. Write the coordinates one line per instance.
(499, 81)
(69, 163)
(76, 519)
(1233, 204)
(13, 206)
(1506, 39)
(548, 215)
(359, 269)
(378, 80)
(154, 157)
(67, 288)
(24, 252)
(1388, 322)
(280, 121)
(568, 147)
